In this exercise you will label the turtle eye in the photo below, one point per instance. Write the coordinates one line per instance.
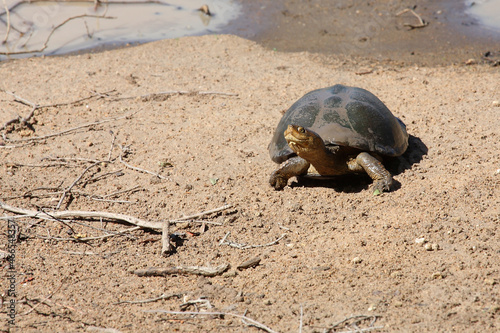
(301, 129)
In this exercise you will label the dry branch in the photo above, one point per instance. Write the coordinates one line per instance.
(70, 129)
(83, 214)
(34, 106)
(195, 270)
(108, 2)
(245, 319)
(45, 44)
(22, 120)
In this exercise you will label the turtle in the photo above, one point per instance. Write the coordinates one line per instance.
(338, 130)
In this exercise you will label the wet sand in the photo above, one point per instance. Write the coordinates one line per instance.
(357, 30)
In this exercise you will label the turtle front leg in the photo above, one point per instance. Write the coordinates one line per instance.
(382, 179)
(294, 166)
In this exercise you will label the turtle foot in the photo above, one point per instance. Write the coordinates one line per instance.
(278, 181)
(382, 185)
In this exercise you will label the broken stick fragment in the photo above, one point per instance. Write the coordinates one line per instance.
(253, 262)
(195, 270)
(166, 248)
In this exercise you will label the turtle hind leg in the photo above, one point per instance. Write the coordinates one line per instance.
(294, 166)
(382, 179)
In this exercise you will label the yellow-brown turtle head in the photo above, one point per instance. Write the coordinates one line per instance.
(302, 140)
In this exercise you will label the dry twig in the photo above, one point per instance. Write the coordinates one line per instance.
(224, 241)
(126, 150)
(102, 329)
(43, 300)
(84, 214)
(164, 296)
(200, 302)
(22, 120)
(66, 191)
(195, 270)
(165, 240)
(86, 239)
(356, 320)
(85, 253)
(46, 43)
(34, 106)
(153, 96)
(191, 217)
(7, 12)
(245, 319)
(38, 138)
(421, 24)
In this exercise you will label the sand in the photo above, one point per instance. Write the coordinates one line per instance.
(423, 258)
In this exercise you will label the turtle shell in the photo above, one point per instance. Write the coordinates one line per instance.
(344, 116)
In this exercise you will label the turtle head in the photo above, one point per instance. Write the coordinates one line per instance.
(303, 141)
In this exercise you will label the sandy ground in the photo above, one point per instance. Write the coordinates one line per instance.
(344, 251)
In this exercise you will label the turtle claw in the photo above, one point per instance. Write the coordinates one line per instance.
(278, 181)
(382, 185)
(294, 166)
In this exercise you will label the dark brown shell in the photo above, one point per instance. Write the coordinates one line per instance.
(344, 116)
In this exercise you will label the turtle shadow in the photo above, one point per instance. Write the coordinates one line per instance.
(413, 155)
(355, 183)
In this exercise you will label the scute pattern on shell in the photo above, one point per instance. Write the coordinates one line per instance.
(345, 116)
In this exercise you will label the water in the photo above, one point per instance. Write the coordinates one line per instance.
(486, 11)
(50, 27)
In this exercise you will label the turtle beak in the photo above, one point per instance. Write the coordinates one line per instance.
(296, 137)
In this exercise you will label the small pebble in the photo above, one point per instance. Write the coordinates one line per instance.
(435, 246)
(230, 274)
(437, 275)
(396, 274)
(496, 103)
(268, 302)
(4, 254)
(357, 260)
(25, 133)
(397, 304)
(490, 281)
(372, 307)
(428, 247)
(420, 240)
